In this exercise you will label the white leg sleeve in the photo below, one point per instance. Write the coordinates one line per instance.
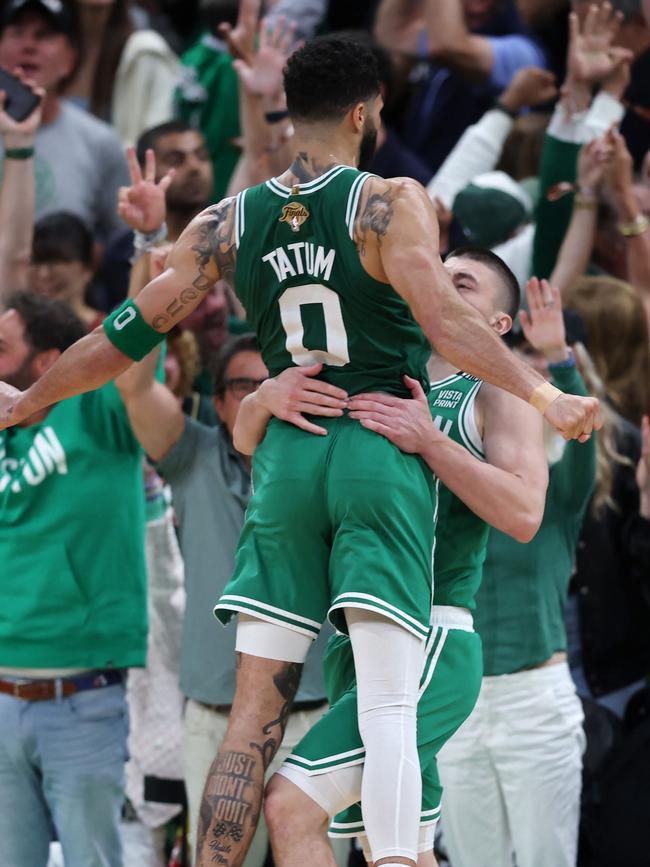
(426, 839)
(388, 661)
(333, 791)
(260, 638)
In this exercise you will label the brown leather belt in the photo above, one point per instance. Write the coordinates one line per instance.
(297, 706)
(59, 687)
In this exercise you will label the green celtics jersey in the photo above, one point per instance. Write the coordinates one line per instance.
(461, 536)
(307, 295)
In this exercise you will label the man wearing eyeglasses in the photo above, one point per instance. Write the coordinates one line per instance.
(210, 484)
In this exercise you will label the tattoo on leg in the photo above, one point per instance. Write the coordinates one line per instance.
(232, 799)
(228, 800)
(286, 682)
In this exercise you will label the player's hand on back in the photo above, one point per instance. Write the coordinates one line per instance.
(295, 392)
(405, 422)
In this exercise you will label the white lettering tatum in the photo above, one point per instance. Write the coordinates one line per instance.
(302, 257)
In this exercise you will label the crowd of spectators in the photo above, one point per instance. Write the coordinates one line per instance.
(529, 123)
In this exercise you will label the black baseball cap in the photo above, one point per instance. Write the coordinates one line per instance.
(61, 14)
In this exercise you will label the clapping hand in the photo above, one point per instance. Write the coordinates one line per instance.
(142, 205)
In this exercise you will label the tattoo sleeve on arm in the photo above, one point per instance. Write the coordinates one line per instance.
(374, 214)
(214, 241)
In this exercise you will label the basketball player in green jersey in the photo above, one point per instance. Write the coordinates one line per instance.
(350, 297)
(488, 446)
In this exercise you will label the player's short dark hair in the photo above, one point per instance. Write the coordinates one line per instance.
(510, 284)
(329, 75)
(241, 343)
(62, 237)
(151, 137)
(49, 324)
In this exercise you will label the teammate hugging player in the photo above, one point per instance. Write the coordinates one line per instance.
(339, 525)
(486, 446)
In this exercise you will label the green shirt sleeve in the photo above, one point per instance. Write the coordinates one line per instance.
(559, 163)
(106, 416)
(573, 477)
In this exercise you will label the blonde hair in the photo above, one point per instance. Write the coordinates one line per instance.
(607, 454)
(619, 344)
(183, 345)
(522, 152)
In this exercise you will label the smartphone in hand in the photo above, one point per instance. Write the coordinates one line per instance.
(20, 101)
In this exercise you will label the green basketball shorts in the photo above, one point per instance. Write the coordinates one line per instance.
(345, 520)
(449, 687)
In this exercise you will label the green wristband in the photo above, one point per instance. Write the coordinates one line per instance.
(128, 332)
(19, 153)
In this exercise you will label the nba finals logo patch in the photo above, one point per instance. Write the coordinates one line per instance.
(295, 215)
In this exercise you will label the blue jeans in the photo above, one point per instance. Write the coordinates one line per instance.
(62, 767)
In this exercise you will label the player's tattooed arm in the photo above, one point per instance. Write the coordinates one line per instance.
(374, 213)
(203, 254)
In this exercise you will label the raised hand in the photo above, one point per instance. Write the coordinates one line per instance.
(261, 74)
(241, 38)
(543, 325)
(573, 416)
(592, 55)
(619, 174)
(295, 391)
(142, 205)
(157, 259)
(20, 133)
(529, 87)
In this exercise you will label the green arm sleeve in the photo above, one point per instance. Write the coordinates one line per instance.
(559, 163)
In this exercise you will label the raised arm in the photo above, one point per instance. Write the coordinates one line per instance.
(397, 236)
(203, 254)
(155, 415)
(261, 96)
(450, 42)
(399, 25)
(575, 252)
(17, 196)
(633, 223)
